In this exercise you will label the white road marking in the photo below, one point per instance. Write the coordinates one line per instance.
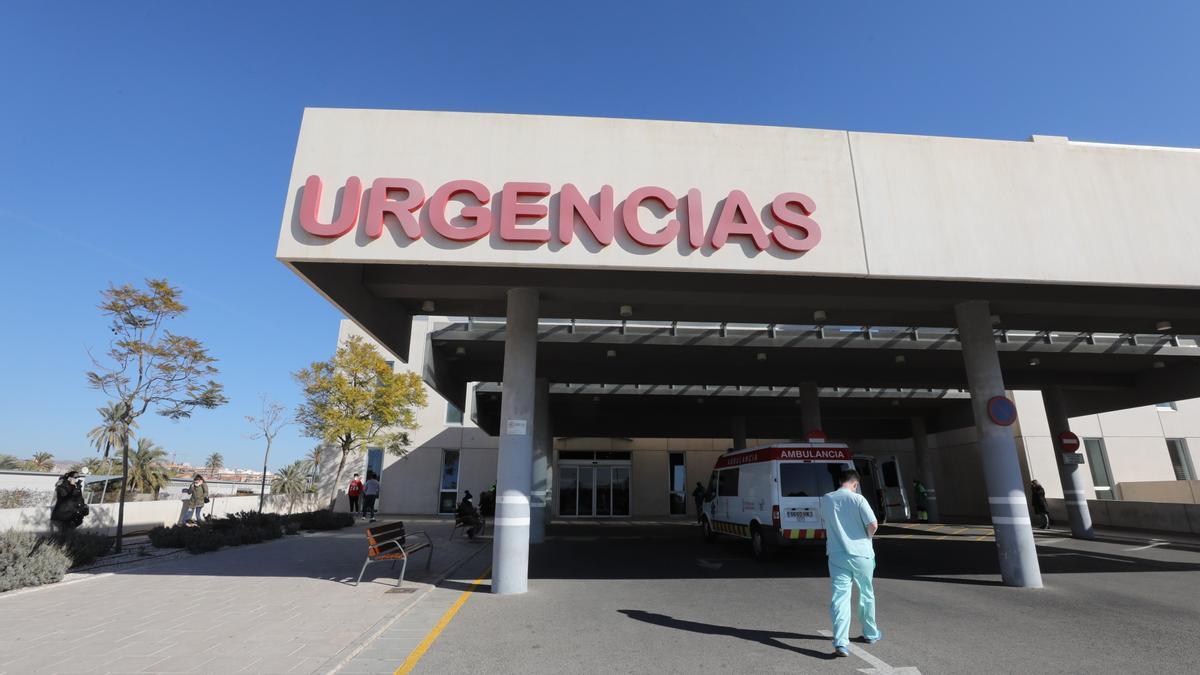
(1053, 540)
(879, 667)
(1152, 544)
(1089, 555)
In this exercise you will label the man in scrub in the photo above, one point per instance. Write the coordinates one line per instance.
(849, 525)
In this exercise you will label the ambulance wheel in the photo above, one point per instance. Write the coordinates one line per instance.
(758, 544)
(706, 528)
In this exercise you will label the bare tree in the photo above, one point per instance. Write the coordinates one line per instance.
(267, 426)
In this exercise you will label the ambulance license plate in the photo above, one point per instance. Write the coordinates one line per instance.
(801, 514)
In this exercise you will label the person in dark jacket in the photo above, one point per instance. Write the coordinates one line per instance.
(69, 507)
(922, 495)
(1039, 503)
(698, 496)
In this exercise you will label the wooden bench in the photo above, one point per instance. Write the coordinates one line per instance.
(390, 542)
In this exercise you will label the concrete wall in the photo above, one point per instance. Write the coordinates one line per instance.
(1166, 491)
(889, 206)
(145, 515)
(1181, 518)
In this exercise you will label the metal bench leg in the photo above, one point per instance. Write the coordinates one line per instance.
(363, 570)
(429, 558)
(403, 566)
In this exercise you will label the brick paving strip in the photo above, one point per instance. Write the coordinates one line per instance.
(282, 606)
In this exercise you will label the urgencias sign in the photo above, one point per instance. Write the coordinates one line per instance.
(522, 214)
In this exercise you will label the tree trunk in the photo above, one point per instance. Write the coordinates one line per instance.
(262, 491)
(124, 483)
(337, 479)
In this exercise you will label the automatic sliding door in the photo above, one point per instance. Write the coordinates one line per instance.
(604, 491)
(620, 491)
(568, 491)
(587, 493)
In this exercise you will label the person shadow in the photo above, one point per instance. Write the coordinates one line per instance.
(769, 638)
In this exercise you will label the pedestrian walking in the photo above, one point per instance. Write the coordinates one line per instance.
(193, 506)
(698, 496)
(69, 508)
(370, 495)
(850, 524)
(922, 500)
(354, 492)
(1039, 503)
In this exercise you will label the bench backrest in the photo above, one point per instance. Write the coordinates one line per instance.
(382, 533)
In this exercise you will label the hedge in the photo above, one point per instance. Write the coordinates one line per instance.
(29, 560)
(247, 527)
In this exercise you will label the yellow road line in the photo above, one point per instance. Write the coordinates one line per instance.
(982, 537)
(416, 654)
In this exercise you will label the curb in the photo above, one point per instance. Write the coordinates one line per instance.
(347, 653)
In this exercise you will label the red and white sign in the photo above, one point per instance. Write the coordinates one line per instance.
(816, 436)
(521, 213)
(837, 453)
(1068, 442)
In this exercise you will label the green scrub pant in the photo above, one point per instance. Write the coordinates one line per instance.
(846, 571)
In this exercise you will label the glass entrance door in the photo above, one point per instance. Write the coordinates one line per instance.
(588, 491)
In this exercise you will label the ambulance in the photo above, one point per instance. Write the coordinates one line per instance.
(770, 494)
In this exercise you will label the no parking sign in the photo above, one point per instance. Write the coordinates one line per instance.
(1002, 411)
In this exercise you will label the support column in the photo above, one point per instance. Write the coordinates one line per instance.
(739, 433)
(998, 449)
(1071, 475)
(810, 407)
(542, 441)
(514, 467)
(925, 468)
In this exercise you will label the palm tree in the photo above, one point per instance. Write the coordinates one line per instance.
(291, 479)
(146, 471)
(112, 432)
(315, 460)
(98, 466)
(42, 461)
(214, 463)
(9, 462)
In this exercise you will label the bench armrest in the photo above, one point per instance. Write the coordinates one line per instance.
(397, 541)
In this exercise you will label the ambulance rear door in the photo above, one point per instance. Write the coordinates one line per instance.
(801, 484)
(895, 501)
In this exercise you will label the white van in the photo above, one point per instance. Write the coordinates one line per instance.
(770, 494)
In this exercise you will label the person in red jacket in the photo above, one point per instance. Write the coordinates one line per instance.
(354, 492)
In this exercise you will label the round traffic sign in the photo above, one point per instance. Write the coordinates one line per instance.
(1001, 411)
(1068, 442)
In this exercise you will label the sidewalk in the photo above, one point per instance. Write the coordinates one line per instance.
(286, 606)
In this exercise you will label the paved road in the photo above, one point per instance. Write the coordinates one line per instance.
(278, 607)
(630, 599)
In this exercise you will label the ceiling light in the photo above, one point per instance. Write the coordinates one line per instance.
(612, 353)
(819, 315)
(627, 311)
(427, 306)
(900, 358)
(1034, 361)
(460, 351)
(699, 400)
(761, 356)
(1163, 326)
(1159, 364)
(596, 399)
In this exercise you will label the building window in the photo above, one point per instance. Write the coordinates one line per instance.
(375, 462)
(676, 484)
(453, 414)
(1181, 459)
(1169, 406)
(1097, 459)
(448, 485)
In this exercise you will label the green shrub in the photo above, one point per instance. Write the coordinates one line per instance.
(168, 537)
(323, 520)
(84, 547)
(202, 539)
(28, 560)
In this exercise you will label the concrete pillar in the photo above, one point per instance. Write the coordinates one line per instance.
(542, 441)
(1071, 475)
(925, 467)
(739, 433)
(998, 449)
(514, 468)
(810, 407)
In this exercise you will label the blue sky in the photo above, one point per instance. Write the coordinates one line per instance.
(156, 138)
